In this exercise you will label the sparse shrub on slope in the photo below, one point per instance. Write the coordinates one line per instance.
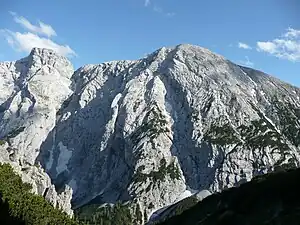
(19, 206)
(117, 214)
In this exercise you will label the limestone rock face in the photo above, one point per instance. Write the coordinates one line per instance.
(145, 131)
(32, 91)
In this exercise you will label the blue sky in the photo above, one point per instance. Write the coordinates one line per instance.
(264, 34)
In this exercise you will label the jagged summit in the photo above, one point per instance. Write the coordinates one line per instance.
(148, 132)
(43, 51)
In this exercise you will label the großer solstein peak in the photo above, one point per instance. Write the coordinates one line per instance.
(147, 132)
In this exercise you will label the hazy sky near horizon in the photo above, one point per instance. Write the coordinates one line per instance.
(264, 35)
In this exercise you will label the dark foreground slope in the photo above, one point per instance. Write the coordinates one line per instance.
(19, 206)
(269, 199)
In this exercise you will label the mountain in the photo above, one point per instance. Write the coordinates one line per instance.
(264, 200)
(146, 133)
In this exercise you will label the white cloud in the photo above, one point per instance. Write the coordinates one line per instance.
(266, 46)
(26, 41)
(147, 3)
(170, 14)
(285, 47)
(161, 11)
(243, 45)
(42, 28)
(246, 62)
(292, 33)
(157, 8)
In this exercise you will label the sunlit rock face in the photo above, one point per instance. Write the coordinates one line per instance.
(145, 131)
(32, 91)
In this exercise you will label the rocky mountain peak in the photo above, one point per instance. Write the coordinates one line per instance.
(49, 59)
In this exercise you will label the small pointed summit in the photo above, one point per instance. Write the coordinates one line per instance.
(43, 56)
(45, 52)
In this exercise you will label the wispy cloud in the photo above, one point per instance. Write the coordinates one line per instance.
(287, 46)
(170, 14)
(244, 46)
(26, 41)
(246, 62)
(41, 28)
(292, 33)
(147, 3)
(158, 9)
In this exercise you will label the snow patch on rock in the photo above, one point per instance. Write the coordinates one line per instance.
(116, 100)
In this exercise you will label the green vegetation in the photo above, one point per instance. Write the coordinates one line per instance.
(2, 142)
(20, 206)
(266, 200)
(153, 125)
(185, 204)
(160, 174)
(178, 208)
(117, 214)
(224, 135)
(289, 117)
(261, 133)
